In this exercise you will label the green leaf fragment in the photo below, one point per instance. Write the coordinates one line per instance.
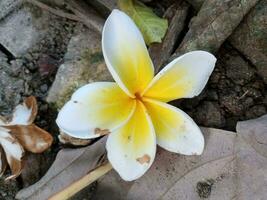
(152, 27)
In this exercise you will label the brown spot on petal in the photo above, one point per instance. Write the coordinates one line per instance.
(31, 103)
(101, 132)
(144, 159)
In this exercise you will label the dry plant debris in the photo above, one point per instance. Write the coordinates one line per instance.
(19, 134)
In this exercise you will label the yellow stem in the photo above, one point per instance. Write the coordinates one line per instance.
(82, 183)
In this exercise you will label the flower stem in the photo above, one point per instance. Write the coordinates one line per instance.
(82, 183)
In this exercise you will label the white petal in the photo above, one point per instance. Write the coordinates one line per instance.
(175, 130)
(10, 145)
(95, 109)
(126, 54)
(184, 77)
(13, 151)
(24, 114)
(131, 149)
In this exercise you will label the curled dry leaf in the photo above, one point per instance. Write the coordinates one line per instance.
(12, 151)
(3, 161)
(19, 133)
(31, 137)
(232, 166)
(70, 165)
(25, 113)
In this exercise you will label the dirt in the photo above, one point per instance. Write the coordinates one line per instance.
(204, 188)
(234, 93)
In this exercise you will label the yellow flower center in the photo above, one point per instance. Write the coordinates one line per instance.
(138, 96)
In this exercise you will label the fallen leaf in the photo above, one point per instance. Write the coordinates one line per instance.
(232, 166)
(3, 161)
(152, 27)
(250, 38)
(26, 112)
(172, 172)
(214, 23)
(251, 160)
(13, 153)
(70, 165)
(18, 133)
(250, 35)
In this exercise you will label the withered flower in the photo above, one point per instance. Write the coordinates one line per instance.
(19, 134)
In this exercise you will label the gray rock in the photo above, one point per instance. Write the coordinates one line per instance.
(22, 29)
(11, 87)
(7, 6)
(84, 63)
(10, 91)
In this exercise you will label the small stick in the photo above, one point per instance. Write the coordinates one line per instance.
(243, 95)
(78, 185)
(54, 11)
(89, 16)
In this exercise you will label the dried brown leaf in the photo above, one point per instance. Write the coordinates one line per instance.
(250, 38)
(251, 159)
(230, 167)
(3, 161)
(13, 152)
(25, 113)
(31, 137)
(70, 165)
(31, 103)
(214, 23)
(15, 167)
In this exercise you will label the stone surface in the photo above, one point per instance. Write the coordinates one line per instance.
(84, 63)
(11, 87)
(21, 30)
(8, 6)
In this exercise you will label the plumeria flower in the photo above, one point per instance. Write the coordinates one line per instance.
(19, 134)
(133, 110)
